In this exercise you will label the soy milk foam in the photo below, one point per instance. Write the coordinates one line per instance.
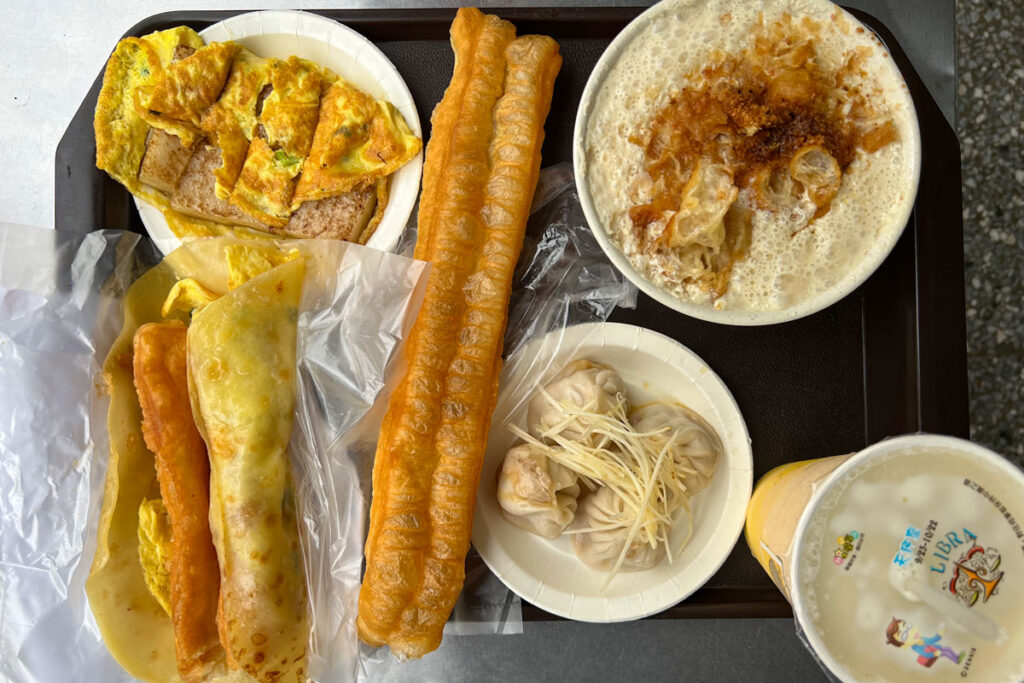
(781, 270)
(912, 568)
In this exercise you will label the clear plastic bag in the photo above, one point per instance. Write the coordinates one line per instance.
(563, 277)
(54, 332)
(59, 300)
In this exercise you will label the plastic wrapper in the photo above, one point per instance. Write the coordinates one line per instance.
(60, 310)
(58, 303)
(54, 333)
(563, 279)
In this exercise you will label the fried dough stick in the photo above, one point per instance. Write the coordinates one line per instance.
(183, 470)
(479, 178)
(455, 171)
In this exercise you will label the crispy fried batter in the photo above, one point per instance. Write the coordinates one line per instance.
(479, 177)
(183, 471)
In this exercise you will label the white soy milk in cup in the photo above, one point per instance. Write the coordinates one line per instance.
(909, 564)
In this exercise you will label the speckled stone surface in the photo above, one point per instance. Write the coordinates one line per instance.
(990, 106)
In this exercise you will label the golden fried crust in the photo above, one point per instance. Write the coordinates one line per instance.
(183, 471)
(480, 174)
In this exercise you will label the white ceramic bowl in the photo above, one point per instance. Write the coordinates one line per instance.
(826, 298)
(654, 368)
(283, 33)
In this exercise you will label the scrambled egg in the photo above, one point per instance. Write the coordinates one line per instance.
(187, 295)
(155, 550)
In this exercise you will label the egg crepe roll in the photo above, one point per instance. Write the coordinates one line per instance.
(241, 369)
(135, 628)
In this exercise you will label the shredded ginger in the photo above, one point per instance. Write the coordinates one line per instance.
(650, 482)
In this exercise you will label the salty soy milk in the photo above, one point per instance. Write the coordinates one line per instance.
(786, 265)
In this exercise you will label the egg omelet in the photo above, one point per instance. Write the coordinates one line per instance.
(358, 140)
(215, 135)
(176, 99)
(231, 122)
(120, 130)
(155, 550)
(287, 120)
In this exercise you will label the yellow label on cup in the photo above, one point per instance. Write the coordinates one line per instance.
(775, 508)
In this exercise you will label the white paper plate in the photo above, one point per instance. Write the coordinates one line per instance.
(654, 368)
(324, 41)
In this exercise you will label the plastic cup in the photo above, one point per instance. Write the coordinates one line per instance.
(903, 562)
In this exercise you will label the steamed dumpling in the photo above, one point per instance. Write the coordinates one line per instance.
(582, 385)
(605, 510)
(536, 493)
(696, 448)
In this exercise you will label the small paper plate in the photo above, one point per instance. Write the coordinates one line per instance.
(654, 368)
(283, 33)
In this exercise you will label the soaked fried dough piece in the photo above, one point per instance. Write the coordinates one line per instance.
(183, 470)
(479, 177)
